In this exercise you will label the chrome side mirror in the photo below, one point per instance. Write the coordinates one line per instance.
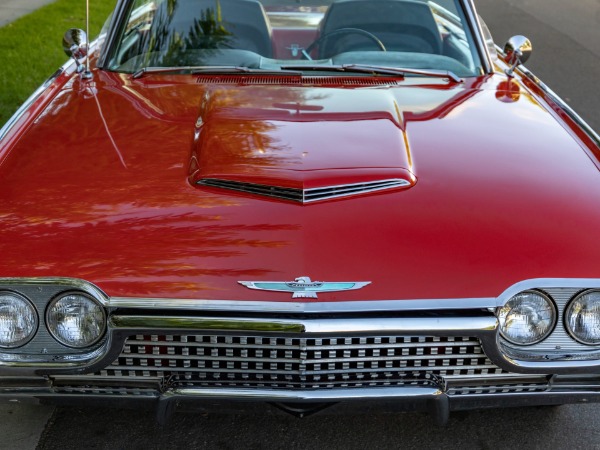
(517, 50)
(75, 45)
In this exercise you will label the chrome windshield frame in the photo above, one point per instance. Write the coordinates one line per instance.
(119, 16)
(477, 31)
(473, 25)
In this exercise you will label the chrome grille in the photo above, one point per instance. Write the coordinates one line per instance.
(93, 389)
(506, 388)
(301, 363)
(305, 195)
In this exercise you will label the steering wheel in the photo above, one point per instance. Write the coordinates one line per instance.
(371, 36)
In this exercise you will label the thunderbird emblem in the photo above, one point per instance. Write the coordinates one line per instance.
(303, 287)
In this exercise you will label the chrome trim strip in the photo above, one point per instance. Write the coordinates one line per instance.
(30, 101)
(587, 129)
(25, 364)
(262, 395)
(320, 395)
(547, 357)
(308, 307)
(353, 306)
(117, 17)
(446, 326)
(25, 394)
(40, 90)
(568, 367)
(473, 18)
(304, 308)
(551, 397)
(237, 324)
(36, 94)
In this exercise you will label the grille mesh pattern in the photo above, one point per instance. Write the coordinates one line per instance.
(301, 363)
(507, 388)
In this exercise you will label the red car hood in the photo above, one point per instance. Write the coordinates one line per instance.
(102, 187)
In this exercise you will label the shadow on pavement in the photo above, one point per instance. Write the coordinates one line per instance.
(531, 428)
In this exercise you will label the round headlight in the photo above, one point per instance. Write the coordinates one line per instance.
(582, 318)
(18, 320)
(527, 318)
(76, 320)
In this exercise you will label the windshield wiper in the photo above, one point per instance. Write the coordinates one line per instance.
(378, 70)
(297, 69)
(212, 70)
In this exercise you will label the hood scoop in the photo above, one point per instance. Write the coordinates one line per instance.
(306, 195)
(301, 145)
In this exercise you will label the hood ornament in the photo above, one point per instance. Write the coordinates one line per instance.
(303, 287)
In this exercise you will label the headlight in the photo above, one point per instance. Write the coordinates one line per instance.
(76, 320)
(18, 320)
(582, 318)
(527, 318)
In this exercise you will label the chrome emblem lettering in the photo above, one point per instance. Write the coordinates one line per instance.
(303, 287)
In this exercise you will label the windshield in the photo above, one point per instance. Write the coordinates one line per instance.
(273, 34)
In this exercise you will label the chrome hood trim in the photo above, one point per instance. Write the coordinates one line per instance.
(318, 307)
(305, 195)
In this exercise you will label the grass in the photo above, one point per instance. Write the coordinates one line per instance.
(31, 47)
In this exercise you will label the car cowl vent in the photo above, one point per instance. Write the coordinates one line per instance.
(306, 195)
(297, 81)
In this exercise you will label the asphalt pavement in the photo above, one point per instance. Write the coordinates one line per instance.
(566, 45)
(566, 40)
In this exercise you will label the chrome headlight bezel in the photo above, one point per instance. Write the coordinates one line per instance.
(29, 305)
(567, 317)
(552, 307)
(49, 319)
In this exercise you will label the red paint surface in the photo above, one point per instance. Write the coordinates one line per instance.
(98, 188)
(284, 138)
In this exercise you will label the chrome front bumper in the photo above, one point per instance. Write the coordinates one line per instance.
(144, 365)
(435, 402)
